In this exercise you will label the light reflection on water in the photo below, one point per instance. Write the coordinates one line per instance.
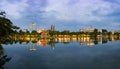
(64, 53)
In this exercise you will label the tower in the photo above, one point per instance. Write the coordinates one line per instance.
(33, 26)
(52, 28)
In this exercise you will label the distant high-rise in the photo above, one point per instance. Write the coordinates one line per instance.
(33, 26)
(52, 28)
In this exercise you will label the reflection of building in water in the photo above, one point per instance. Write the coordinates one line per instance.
(99, 40)
(63, 39)
(112, 38)
(33, 46)
(74, 39)
(91, 41)
(24, 43)
(52, 45)
(56, 40)
(86, 41)
(42, 43)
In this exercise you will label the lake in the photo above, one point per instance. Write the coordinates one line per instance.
(63, 54)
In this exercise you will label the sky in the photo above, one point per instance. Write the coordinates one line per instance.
(70, 15)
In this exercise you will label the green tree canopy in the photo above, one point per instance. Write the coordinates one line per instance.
(65, 32)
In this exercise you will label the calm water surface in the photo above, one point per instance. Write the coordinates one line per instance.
(67, 55)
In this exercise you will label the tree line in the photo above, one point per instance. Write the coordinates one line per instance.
(67, 32)
(7, 28)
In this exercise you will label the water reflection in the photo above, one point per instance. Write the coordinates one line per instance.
(3, 58)
(83, 41)
(42, 42)
(52, 43)
(32, 46)
(57, 55)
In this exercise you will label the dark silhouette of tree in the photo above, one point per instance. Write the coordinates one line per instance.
(1, 50)
(65, 32)
(2, 14)
(34, 32)
(6, 26)
(95, 32)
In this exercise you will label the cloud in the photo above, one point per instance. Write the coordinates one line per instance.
(63, 13)
(14, 9)
(80, 10)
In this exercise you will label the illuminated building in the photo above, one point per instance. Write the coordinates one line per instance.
(33, 26)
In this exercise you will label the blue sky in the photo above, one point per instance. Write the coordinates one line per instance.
(64, 14)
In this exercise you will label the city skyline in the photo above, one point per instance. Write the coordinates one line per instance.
(70, 15)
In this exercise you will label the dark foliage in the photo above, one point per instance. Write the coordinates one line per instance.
(6, 26)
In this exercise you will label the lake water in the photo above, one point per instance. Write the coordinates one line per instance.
(44, 54)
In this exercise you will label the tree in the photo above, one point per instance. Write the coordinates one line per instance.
(104, 31)
(20, 31)
(2, 14)
(34, 32)
(95, 32)
(6, 26)
(65, 32)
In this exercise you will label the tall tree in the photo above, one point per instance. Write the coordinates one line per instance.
(6, 26)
